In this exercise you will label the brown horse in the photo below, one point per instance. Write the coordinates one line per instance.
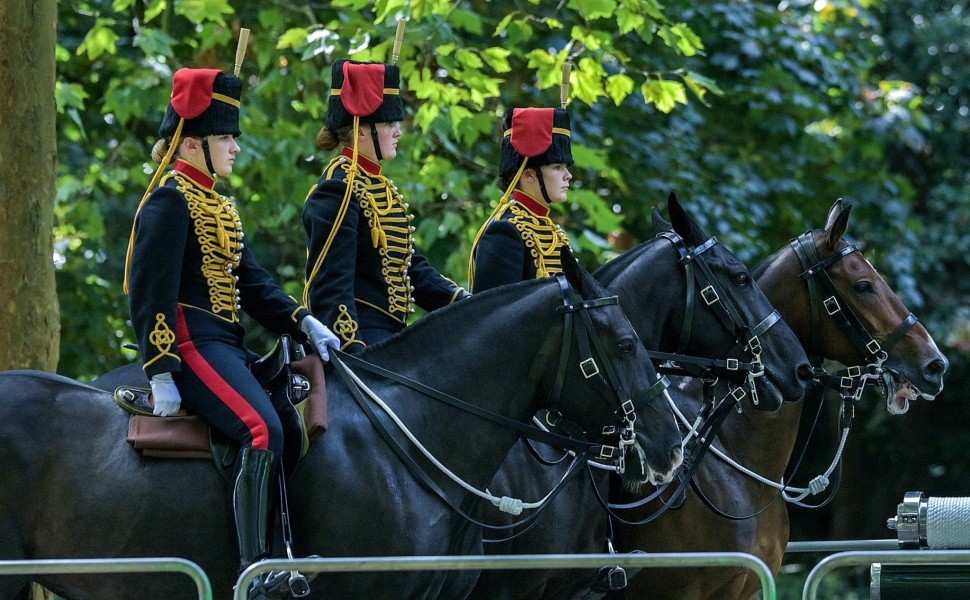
(764, 441)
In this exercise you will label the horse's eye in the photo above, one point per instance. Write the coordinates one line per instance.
(627, 347)
(864, 286)
(742, 278)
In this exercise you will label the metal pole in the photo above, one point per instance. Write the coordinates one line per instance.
(512, 561)
(831, 547)
(849, 559)
(111, 565)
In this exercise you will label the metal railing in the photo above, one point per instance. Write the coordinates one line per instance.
(111, 565)
(512, 561)
(860, 558)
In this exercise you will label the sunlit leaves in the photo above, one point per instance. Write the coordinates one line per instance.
(202, 11)
(99, 40)
(665, 94)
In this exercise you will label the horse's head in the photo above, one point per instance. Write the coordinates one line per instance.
(608, 362)
(716, 311)
(843, 310)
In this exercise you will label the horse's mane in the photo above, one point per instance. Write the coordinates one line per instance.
(481, 304)
(609, 270)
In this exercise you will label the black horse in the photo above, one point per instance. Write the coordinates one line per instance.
(654, 287)
(73, 488)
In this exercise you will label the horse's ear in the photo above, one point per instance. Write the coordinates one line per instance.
(659, 223)
(576, 275)
(835, 226)
(683, 224)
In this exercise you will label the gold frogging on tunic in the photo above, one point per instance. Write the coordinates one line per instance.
(542, 237)
(391, 234)
(218, 228)
(162, 338)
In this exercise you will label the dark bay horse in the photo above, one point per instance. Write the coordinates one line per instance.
(73, 488)
(764, 442)
(654, 287)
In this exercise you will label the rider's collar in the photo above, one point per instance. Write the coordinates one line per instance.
(195, 174)
(534, 206)
(363, 162)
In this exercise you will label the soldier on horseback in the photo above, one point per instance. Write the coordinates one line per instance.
(189, 274)
(520, 240)
(363, 271)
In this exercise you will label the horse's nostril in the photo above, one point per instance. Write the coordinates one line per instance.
(935, 369)
(804, 372)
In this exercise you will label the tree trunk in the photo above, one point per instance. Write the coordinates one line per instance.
(29, 323)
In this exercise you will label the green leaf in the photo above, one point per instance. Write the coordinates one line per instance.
(293, 38)
(71, 95)
(155, 42)
(618, 87)
(202, 11)
(425, 116)
(593, 9)
(682, 38)
(497, 58)
(628, 21)
(665, 95)
(100, 39)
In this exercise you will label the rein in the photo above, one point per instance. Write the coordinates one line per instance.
(608, 386)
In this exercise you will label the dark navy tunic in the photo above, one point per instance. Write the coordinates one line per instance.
(363, 270)
(520, 242)
(191, 274)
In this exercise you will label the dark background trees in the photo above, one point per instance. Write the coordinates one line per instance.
(758, 115)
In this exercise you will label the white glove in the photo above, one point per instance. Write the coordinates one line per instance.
(166, 396)
(322, 338)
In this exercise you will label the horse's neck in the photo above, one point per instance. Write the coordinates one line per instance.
(652, 289)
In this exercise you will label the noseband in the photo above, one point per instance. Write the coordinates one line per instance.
(853, 379)
(713, 295)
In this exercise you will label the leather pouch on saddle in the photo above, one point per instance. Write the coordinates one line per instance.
(296, 386)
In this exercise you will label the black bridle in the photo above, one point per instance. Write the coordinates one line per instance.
(747, 343)
(853, 379)
(601, 374)
(713, 413)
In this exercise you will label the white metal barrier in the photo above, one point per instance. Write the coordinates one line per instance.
(111, 565)
(512, 561)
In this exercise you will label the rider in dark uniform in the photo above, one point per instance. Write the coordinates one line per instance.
(189, 274)
(519, 240)
(363, 271)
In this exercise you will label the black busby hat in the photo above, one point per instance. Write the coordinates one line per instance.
(539, 134)
(370, 91)
(208, 100)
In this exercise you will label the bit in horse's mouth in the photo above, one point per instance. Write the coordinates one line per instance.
(899, 392)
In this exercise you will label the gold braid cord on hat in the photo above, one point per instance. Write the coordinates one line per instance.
(542, 237)
(218, 228)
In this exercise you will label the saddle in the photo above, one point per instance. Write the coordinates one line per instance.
(295, 384)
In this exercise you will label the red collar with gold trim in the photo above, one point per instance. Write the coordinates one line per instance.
(195, 174)
(365, 163)
(531, 204)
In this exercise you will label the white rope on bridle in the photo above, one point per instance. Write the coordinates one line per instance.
(790, 494)
(513, 506)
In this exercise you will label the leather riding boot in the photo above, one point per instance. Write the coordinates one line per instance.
(253, 503)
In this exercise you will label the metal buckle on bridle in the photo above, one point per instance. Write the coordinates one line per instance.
(589, 367)
(709, 294)
(873, 347)
(732, 364)
(831, 305)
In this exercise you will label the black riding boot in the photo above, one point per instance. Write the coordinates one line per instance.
(253, 504)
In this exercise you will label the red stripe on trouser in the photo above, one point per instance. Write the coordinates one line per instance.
(220, 387)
